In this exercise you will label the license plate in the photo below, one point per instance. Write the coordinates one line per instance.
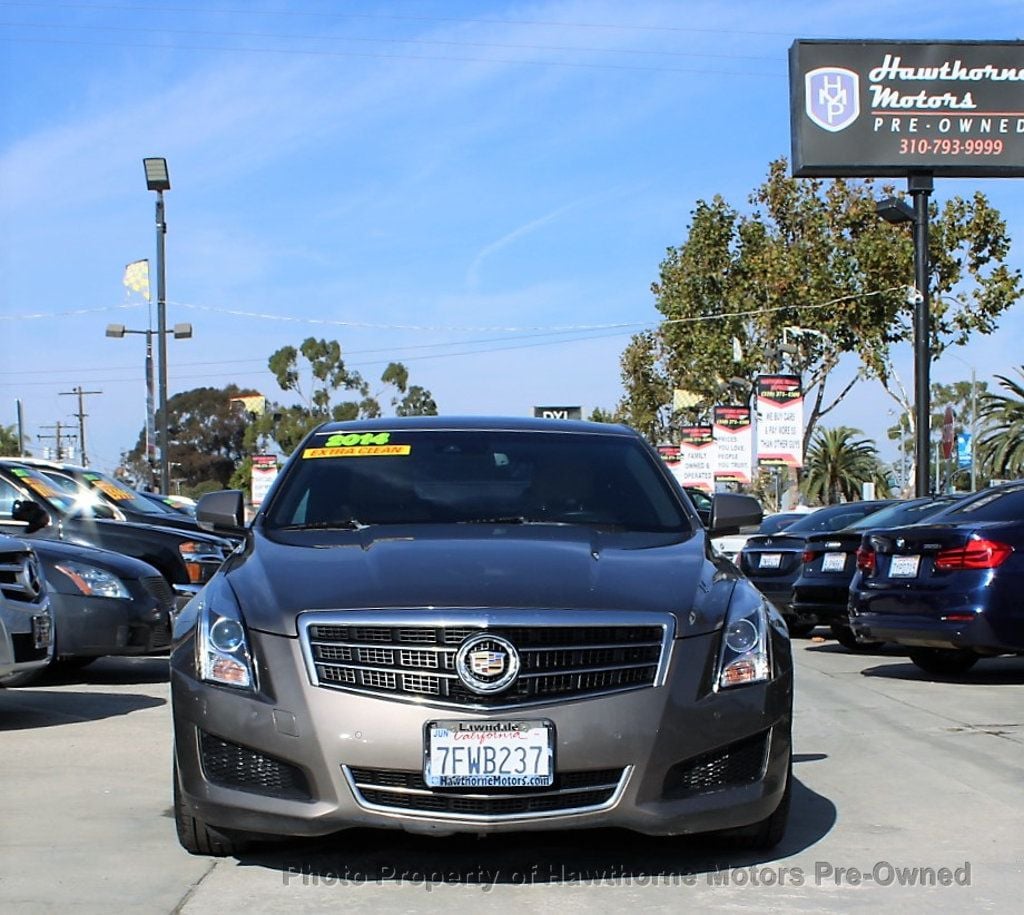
(769, 561)
(833, 562)
(904, 566)
(42, 631)
(489, 754)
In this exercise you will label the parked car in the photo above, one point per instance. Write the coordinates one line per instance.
(772, 561)
(103, 603)
(821, 592)
(186, 559)
(127, 503)
(730, 545)
(478, 625)
(26, 627)
(949, 589)
(181, 504)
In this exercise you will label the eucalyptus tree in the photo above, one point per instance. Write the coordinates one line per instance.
(813, 255)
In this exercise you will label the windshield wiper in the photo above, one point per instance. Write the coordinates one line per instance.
(342, 524)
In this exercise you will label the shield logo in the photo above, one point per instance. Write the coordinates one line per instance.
(487, 663)
(832, 97)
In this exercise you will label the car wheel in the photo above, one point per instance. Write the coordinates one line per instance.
(845, 637)
(199, 838)
(944, 662)
(800, 630)
(71, 662)
(768, 833)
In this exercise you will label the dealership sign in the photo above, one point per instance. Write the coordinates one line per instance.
(890, 108)
(733, 445)
(696, 465)
(780, 421)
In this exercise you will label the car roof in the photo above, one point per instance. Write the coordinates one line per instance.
(478, 424)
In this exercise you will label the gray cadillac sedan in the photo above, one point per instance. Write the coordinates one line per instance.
(478, 625)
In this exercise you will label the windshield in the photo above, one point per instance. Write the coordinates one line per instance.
(120, 494)
(833, 517)
(901, 513)
(998, 505)
(475, 476)
(62, 494)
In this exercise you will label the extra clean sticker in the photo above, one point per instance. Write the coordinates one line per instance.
(357, 444)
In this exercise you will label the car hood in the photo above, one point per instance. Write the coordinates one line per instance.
(54, 551)
(478, 567)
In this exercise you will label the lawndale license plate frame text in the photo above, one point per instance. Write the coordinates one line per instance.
(491, 754)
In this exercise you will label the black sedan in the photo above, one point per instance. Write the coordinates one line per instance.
(950, 590)
(772, 562)
(821, 593)
(103, 603)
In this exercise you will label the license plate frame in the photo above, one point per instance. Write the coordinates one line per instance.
(492, 748)
(833, 562)
(904, 566)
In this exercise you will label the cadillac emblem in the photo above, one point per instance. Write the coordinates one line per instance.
(487, 663)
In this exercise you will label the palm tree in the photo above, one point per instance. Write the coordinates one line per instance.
(838, 465)
(1001, 445)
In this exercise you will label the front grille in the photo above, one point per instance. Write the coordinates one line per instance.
(244, 769)
(740, 763)
(418, 662)
(21, 579)
(403, 790)
(159, 588)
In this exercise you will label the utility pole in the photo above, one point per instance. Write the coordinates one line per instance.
(58, 437)
(21, 430)
(81, 414)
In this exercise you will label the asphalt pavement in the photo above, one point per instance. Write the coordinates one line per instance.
(908, 794)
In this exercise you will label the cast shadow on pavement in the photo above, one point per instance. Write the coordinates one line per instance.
(376, 856)
(987, 672)
(26, 708)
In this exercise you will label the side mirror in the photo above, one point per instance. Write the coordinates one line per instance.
(222, 512)
(31, 514)
(730, 511)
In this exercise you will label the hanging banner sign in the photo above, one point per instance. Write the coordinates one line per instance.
(669, 454)
(264, 472)
(733, 444)
(696, 465)
(964, 447)
(889, 108)
(780, 421)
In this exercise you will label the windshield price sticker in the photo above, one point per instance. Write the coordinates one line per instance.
(40, 487)
(489, 754)
(833, 562)
(357, 444)
(108, 489)
(770, 561)
(904, 566)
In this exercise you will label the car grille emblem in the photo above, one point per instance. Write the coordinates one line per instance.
(487, 663)
(28, 575)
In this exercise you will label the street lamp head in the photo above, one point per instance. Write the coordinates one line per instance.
(115, 330)
(895, 210)
(157, 178)
(182, 331)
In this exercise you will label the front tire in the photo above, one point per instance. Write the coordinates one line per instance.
(944, 662)
(799, 630)
(199, 838)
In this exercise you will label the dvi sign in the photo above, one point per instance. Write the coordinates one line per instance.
(558, 412)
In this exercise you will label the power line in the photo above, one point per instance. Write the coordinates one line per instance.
(81, 414)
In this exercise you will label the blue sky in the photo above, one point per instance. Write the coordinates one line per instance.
(456, 185)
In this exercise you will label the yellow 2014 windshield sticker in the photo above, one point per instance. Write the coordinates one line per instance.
(357, 444)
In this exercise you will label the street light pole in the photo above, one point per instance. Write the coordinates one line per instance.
(157, 179)
(920, 187)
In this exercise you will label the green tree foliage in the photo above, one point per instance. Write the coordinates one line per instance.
(838, 464)
(328, 390)
(8, 440)
(207, 437)
(1001, 445)
(808, 254)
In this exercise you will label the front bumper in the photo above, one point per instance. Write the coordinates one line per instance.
(97, 626)
(26, 636)
(666, 757)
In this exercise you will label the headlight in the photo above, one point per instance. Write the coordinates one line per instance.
(745, 657)
(222, 644)
(92, 581)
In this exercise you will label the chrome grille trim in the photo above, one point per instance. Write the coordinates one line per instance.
(424, 673)
(616, 790)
